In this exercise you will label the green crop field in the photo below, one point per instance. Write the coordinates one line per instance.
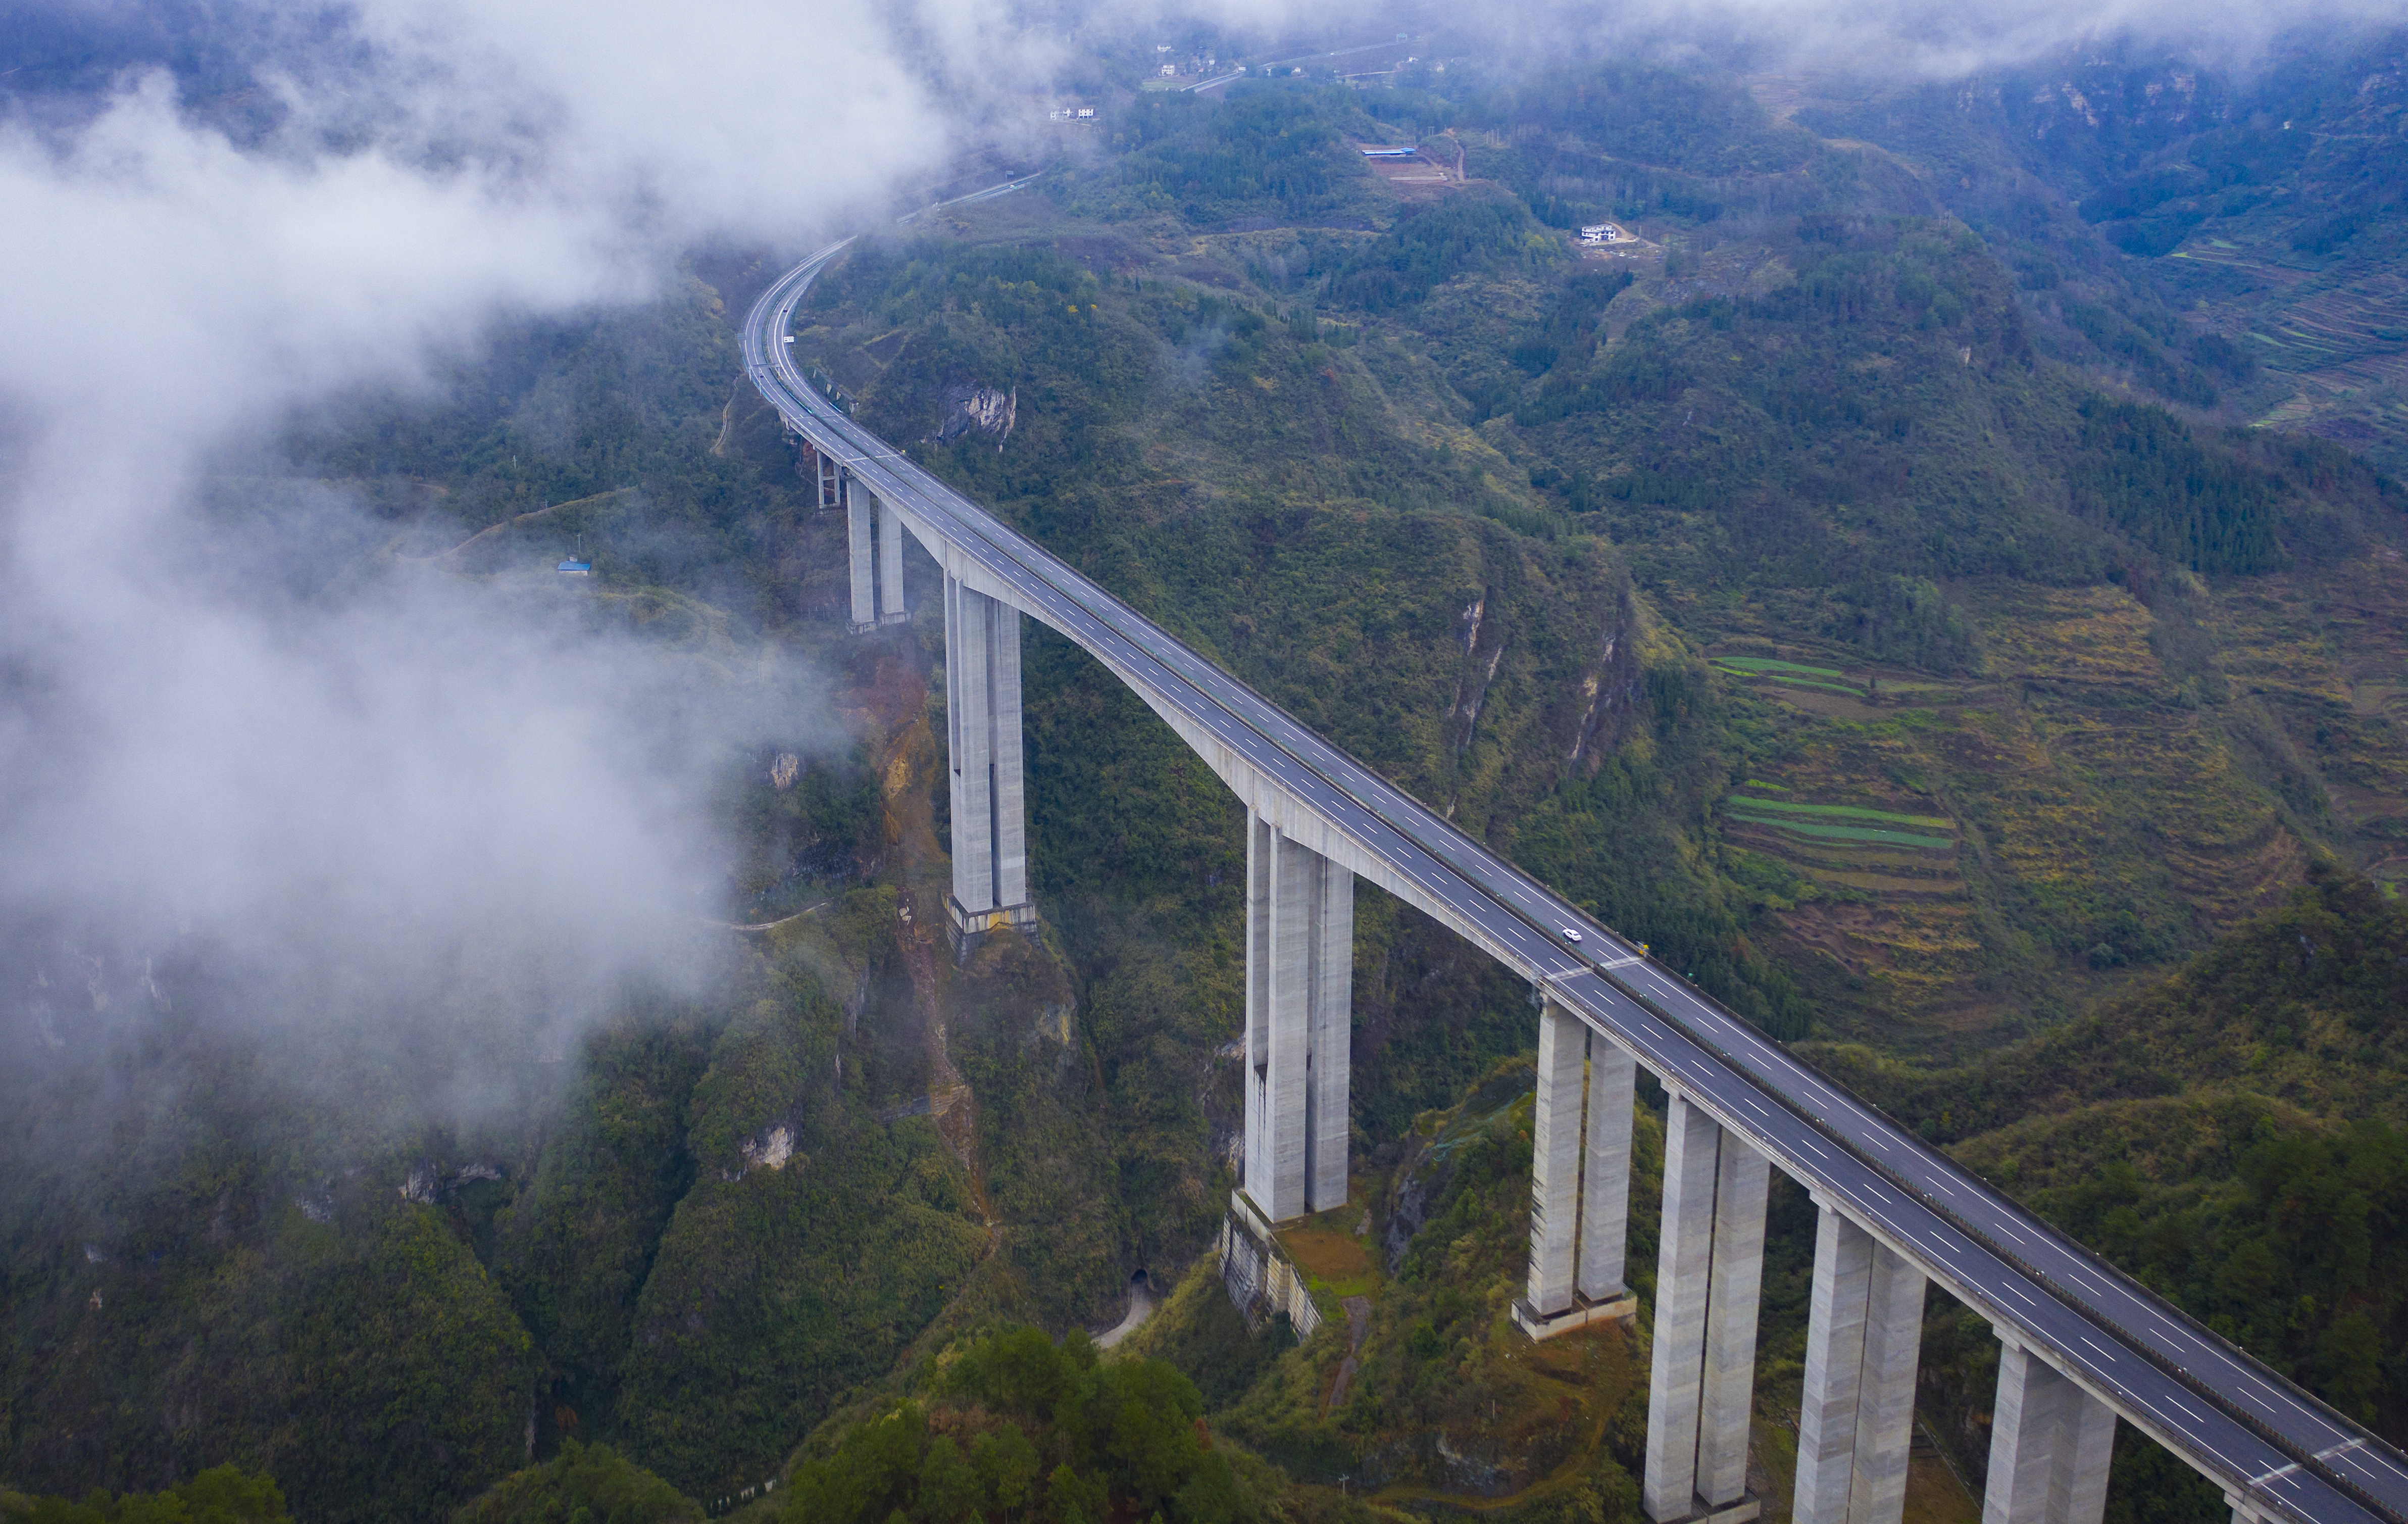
(1820, 831)
(1851, 811)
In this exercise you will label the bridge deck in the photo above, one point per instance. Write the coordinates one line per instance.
(2247, 1428)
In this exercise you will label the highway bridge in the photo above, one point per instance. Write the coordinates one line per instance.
(2082, 1345)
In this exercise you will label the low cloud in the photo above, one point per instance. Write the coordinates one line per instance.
(325, 778)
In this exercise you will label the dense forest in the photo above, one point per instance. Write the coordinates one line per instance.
(1871, 593)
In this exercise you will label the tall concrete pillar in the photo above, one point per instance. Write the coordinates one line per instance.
(1300, 1024)
(1605, 1173)
(829, 476)
(2051, 1445)
(1710, 1270)
(1885, 1400)
(1741, 1178)
(890, 608)
(1684, 1260)
(1556, 1159)
(861, 547)
(1864, 1332)
(1835, 1358)
(983, 754)
(1580, 1178)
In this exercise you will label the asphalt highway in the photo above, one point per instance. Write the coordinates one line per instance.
(2250, 1431)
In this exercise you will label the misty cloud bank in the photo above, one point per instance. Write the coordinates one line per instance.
(323, 786)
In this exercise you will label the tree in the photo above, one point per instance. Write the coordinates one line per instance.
(949, 1490)
(1007, 1466)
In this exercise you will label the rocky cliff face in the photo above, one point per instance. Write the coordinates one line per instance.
(983, 410)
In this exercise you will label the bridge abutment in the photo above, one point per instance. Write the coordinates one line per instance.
(1300, 1024)
(990, 828)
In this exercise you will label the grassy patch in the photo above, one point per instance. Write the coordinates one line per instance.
(1820, 831)
(1809, 683)
(1335, 1259)
(1766, 665)
(1851, 811)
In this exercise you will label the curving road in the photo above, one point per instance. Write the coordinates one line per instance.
(2281, 1452)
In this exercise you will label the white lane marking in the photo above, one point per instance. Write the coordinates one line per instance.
(2010, 1234)
(2085, 1339)
(1819, 1153)
(2225, 1461)
(2088, 1285)
(1749, 1101)
(1939, 1242)
(2009, 1287)
(2360, 1457)
(1621, 962)
(2268, 1406)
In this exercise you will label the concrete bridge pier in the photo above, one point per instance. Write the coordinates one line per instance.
(1708, 1271)
(1864, 1333)
(830, 476)
(1300, 1024)
(1580, 1178)
(890, 608)
(2050, 1445)
(984, 753)
(874, 538)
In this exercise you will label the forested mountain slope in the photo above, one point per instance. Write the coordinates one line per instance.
(2226, 234)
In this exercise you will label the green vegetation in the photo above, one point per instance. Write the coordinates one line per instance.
(1019, 1426)
(221, 1495)
(1793, 682)
(1269, 148)
(1846, 833)
(1851, 811)
(581, 1484)
(1766, 664)
(1430, 246)
(2226, 239)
